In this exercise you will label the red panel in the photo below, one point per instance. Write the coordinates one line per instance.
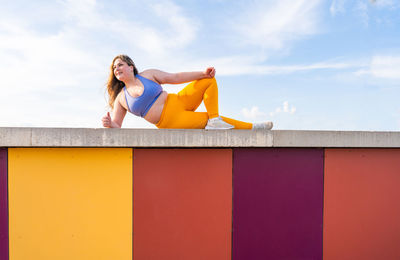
(362, 210)
(182, 204)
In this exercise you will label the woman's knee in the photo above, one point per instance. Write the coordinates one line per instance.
(211, 79)
(208, 81)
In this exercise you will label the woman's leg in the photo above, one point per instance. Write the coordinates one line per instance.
(237, 124)
(197, 91)
(198, 120)
(175, 115)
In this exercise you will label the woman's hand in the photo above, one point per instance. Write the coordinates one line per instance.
(209, 73)
(107, 120)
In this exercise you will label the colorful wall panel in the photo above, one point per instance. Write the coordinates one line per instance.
(182, 204)
(214, 203)
(70, 203)
(361, 208)
(277, 203)
(3, 205)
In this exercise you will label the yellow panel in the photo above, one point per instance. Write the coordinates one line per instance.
(70, 203)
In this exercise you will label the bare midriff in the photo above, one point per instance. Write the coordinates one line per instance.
(154, 114)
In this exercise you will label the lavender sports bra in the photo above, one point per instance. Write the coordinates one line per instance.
(140, 105)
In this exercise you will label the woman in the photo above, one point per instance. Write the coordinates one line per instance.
(142, 95)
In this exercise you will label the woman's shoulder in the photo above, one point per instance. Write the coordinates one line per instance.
(150, 74)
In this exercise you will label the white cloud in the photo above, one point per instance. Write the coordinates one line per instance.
(284, 109)
(386, 3)
(35, 62)
(252, 113)
(247, 65)
(61, 73)
(361, 9)
(155, 33)
(275, 24)
(387, 67)
(84, 13)
(337, 7)
(163, 36)
(182, 28)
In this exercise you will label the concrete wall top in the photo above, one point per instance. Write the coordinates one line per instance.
(103, 137)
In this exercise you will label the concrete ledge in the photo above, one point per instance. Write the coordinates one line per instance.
(88, 137)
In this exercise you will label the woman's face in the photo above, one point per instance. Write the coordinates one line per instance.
(122, 71)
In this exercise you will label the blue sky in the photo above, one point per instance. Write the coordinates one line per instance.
(309, 65)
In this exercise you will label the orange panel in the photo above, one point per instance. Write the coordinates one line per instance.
(362, 210)
(182, 204)
(70, 203)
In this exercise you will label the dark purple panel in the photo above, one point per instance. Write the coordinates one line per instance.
(3, 205)
(277, 203)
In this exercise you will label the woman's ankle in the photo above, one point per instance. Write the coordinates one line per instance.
(213, 116)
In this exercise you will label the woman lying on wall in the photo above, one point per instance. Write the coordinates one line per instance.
(142, 95)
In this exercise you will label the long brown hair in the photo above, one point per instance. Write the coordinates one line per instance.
(114, 86)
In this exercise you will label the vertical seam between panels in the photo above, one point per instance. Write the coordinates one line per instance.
(233, 158)
(132, 167)
(7, 206)
(323, 200)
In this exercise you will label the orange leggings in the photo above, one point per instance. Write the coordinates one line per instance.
(179, 108)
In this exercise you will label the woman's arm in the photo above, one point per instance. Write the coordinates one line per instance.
(119, 113)
(180, 77)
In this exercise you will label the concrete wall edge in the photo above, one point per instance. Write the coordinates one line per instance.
(197, 138)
